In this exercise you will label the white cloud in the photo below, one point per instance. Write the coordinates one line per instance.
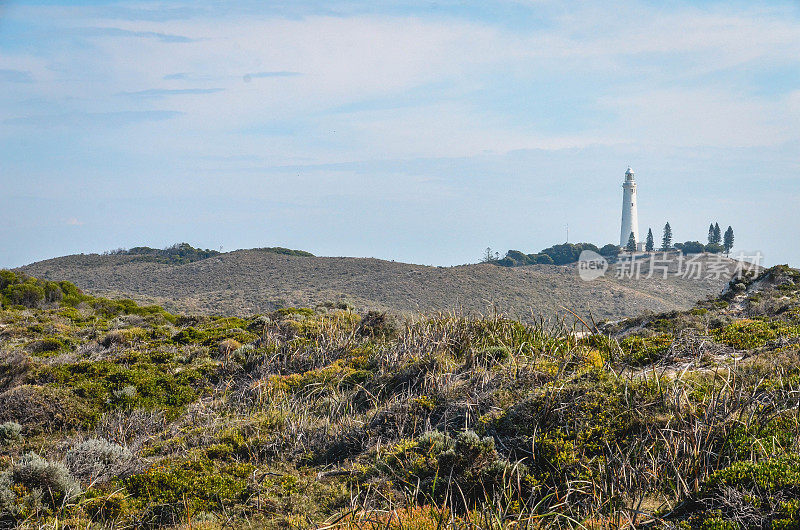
(655, 59)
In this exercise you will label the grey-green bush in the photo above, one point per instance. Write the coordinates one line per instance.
(47, 479)
(97, 460)
(10, 431)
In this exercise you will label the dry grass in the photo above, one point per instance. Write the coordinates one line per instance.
(248, 282)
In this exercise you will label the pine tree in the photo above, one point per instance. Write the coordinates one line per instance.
(666, 241)
(631, 246)
(717, 234)
(711, 234)
(650, 244)
(728, 244)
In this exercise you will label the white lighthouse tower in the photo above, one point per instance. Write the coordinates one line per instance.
(630, 215)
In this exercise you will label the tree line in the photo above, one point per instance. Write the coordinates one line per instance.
(570, 252)
(717, 242)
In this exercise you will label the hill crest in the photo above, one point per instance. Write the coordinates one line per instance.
(253, 281)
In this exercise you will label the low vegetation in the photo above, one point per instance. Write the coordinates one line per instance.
(116, 415)
(178, 253)
(181, 253)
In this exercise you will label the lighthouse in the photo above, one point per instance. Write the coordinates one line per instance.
(630, 216)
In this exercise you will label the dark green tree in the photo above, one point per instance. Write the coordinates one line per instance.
(711, 234)
(610, 250)
(717, 234)
(649, 244)
(728, 244)
(631, 246)
(666, 241)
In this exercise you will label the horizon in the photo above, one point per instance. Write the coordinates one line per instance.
(409, 131)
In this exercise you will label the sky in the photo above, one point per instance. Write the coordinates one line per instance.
(418, 131)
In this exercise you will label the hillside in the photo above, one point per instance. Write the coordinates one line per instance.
(114, 415)
(252, 281)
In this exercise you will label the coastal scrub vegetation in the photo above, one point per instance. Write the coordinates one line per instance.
(181, 253)
(115, 415)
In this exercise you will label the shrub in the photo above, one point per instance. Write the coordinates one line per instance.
(749, 334)
(52, 292)
(640, 351)
(97, 460)
(45, 408)
(609, 251)
(48, 480)
(438, 465)
(10, 431)
(568, 252)
(750, 495)
(188, 335)
(47, 345)
(376, 324)
(103, 383)
(69, 289)
(286, 251)
(7, 278)
(171, 488)
(120, 337)
(691, 247)
(28, 294)
(228, 346)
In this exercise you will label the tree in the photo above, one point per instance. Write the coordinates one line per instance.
(631, 246)
(711, 234)
(609, 251)
(666, 241)
(568, 252)
(650, 244)
(488, 256)
(728, 244)
(693, 247)
(717, 234)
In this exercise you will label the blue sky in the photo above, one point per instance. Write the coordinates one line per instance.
(417, 131)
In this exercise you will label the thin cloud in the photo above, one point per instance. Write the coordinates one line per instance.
(163, 92)
(119, 32)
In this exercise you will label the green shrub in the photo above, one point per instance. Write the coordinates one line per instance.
(747, 334)
(47, 345)
(568, 440)
(28, 294)
(169, 489)
(7, 278)
(640, 351)
(750, 494)
(769, 476)
(189, 335)
(437, 465)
